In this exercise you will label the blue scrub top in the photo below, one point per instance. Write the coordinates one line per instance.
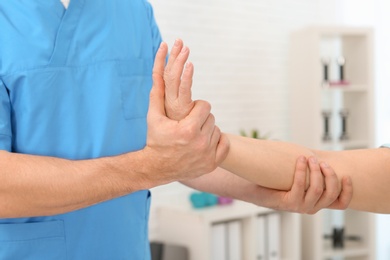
(75, 84)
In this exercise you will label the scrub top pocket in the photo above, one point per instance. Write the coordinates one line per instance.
(135, 96)
(135, 83)
(33, 241)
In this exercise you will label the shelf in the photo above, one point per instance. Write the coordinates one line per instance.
(180, 224)
(348, 145)
(342, 56)
(347, 88)
(345, 145)
(336, 31)
(356, 252)
(219, 213)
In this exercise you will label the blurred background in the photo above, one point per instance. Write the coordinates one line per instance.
(243, 53)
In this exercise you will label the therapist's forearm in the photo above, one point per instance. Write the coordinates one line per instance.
(38, 185)
(267, 163)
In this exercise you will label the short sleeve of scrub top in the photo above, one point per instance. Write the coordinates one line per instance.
(5, 124)
(75, 84)
(156, 36)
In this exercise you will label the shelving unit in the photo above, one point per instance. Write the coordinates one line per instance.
(316, 103)
(193, 228)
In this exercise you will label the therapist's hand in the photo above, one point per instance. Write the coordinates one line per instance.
(324, 190)
(180, 150)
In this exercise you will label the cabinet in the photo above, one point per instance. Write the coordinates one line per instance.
(203, 231)
(331, 76)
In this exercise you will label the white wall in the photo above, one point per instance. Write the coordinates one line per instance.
(239, 49)
(376, 13)
(240, 53)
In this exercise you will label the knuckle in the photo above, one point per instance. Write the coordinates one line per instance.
(217, 131)
(206, 106)
(318, 190)
(300, 184)
(156, 75)
(187, 133)
(333, 195)
(301, 167)
(168, 77)
(181, 58)
(343, 205)
(166, 74)
(203, 143)
(295, 208)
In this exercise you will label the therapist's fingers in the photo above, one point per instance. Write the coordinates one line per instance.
(297, 192)
(316, 187)
(222, 148)
(200, 117)
(345, 196)
(332, 188)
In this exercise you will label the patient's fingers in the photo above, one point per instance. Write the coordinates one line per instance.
(185, 92)
(172, 74)
(178, 82)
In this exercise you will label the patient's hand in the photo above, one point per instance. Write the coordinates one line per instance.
(177, 76)
(324, 190)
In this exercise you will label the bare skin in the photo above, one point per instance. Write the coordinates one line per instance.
(296, 197)
(271, 164)
(41, 185)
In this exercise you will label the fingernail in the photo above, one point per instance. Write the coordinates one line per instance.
(162, 44)
(176, 43)
(313, 159)
(188, 65)
(302, 158)
(324, 165)
(185, 48)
